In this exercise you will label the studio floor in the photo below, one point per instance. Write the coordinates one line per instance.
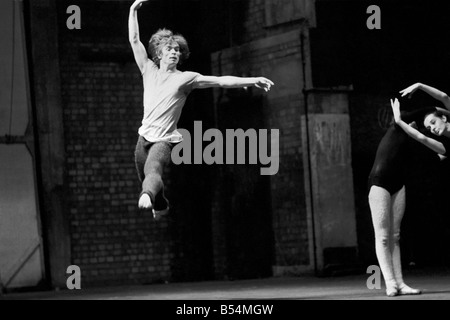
(434, 282)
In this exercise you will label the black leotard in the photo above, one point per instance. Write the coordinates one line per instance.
(388, 170)
(390, 165)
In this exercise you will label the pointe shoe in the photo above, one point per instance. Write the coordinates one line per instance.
(406, 290)
(145, 202)
(392, 291)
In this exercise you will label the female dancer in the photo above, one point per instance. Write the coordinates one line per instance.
(387, 201)
(435, 121)
(165, 92)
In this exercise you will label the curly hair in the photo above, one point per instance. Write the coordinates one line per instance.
(163, 37)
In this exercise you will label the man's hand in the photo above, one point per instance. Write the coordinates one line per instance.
(263, 83)
(138, 4)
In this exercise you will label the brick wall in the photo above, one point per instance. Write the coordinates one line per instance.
(112, 242)
(254, 23)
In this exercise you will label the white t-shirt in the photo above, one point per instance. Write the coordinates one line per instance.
(165, 94)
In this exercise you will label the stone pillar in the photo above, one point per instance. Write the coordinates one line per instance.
(329, 180)
(47, 104)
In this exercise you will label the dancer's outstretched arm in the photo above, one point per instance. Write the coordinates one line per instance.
(140, 54)
(233, 82)
(434, 145)
(435, 93)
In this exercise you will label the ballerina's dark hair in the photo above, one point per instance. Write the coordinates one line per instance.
(418, 116)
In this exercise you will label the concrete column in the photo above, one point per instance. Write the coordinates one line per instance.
(47, 104)
(329, 180)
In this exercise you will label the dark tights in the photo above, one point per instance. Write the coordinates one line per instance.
(151, 158)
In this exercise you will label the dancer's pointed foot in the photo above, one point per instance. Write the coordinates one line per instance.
(145, 202)
(406, 290)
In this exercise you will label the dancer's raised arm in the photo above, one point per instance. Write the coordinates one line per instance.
(435, 93)
(434, 145)
(140, 54)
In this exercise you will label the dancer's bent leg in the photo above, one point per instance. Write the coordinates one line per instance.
(380, 206)
(158, 158)
(140, 156)
(151, 159)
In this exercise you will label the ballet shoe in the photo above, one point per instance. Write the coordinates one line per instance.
(145, 201)
(158, 214)
(406, 290)
(392, 291)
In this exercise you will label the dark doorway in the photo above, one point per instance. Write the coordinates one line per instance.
(246, 195)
